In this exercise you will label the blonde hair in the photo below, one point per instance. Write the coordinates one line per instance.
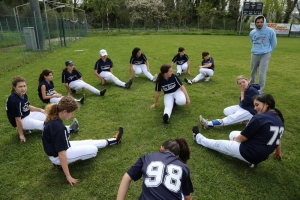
(67, 103)
(241, 77)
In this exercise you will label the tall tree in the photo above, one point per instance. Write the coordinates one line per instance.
(291, 4)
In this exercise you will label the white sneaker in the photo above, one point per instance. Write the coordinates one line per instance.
(207, 79)
(154, 78)
(203, 122)
(74, 126)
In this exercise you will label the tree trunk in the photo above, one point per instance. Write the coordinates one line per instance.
(289, 9)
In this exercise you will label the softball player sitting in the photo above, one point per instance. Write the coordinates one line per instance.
(237, 113)
(56, 142)
(139, 63)
(24, 116)
(103, 70)
(206, 69)
(259, 138)
(46, 91)
(175, 92)
(72, 79)
(182, 61)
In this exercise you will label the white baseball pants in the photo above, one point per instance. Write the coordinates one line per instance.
(203, 73)
(81, 150)
(228, 147)
(177, 96)
(79, 84)
(138, 69)
(34, 121)
(182, 67)
(55, 100)
(108, 76)
(235, 114)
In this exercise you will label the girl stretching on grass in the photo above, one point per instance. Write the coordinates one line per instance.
(46, 91)
(258, 140)
(24, 116)
(56, 142)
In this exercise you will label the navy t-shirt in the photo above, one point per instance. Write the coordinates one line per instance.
(138, 61)
(49, 90)
(105, 66)
(170, 85)
(249, 94)
(17, 106)
(68, 77)
(263, 133)
(164, 176)
(210, 60)
(55, 137)
(180, 60)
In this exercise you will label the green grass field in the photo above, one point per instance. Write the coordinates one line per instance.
(27, 173)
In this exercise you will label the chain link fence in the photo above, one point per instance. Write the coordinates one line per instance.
(20, 42)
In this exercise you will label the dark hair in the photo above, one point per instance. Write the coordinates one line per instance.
(181, 49)
(179, 147)
(15, 81)
(135, 51)
(44, 73)
(260, 17)
(204, 53)
(67, 103)
(163, 69)
(270, 101)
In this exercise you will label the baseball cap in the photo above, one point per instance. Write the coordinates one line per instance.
(69, 63)
(103, 52)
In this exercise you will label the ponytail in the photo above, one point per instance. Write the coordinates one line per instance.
(185, 151)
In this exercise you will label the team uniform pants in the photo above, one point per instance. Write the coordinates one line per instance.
(55, 100)
(177, 96)
(235, 114)
(79, 84)
(138, 69)
(81, 150)
(228, 147)
(108, 76)
(34, 121)
(261, 61)
(203, 73)
(182, 67)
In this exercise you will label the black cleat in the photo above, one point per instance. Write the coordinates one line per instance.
(195, 131)
(166, 118)
(102, 93)
(128, 84)
(119, 135)
(73, 91)
(82, 100)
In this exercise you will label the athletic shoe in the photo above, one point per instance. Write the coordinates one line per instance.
(118, 135)
(166, 118)
(203, 122)
(195, 131)
(102, 93)
(207, 79)
(178, 74)
(245, 122)
(188, 81)
(73, 91)
(57, 166)
(128, 84)
(26, 132)
(136, 75)
(252, 165)
(82, 100)
(74, 126)
(154, 78)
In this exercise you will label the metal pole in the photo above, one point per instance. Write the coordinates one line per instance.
(47, 26)
(3, 36)
(38, 41)
(19, 35)
(242, 16)
(107, 19)
(9, 31)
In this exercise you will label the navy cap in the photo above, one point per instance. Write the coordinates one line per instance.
(69, 63)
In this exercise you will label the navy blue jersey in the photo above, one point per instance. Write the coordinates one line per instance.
(249, 94)
(263, 133)
(68, 77)
(138, 61)
(17, 106)
(170, 85)
(210, 60)
(180, 60)
(55, 137)
(164, 176)
(102, 66)
(49, 90)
